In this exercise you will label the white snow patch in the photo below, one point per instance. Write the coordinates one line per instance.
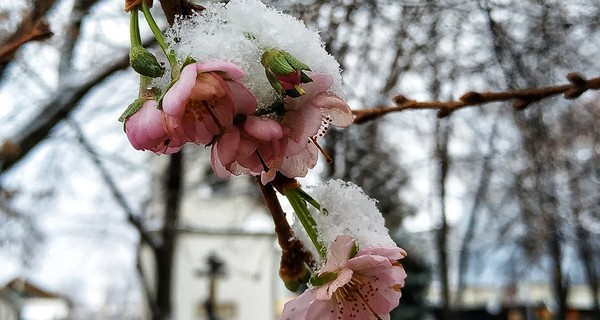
(240, 32)
(349, 211)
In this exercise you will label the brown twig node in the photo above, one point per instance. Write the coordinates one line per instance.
(522, 98)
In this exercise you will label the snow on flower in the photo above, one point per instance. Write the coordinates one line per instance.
(349, 211)
(204, 101)
(351, 285)
(241, 31)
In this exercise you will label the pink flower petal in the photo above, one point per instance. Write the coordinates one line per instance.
(390, 253)
(145, 131)
(338, 253)
(245, 102)
(296, 309)
(263, 128)
(176, 98)
(322, 310)
(334, 109)
(228, 146)
(230, 71)
(216, 163)
(299, 164)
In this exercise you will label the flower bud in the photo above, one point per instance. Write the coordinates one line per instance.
(285, 72)
(134, 107)
(144, 62)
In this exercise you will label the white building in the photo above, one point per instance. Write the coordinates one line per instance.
(234, 226)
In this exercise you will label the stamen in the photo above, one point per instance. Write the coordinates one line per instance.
(262, 161)
(327, 157)
(213, 116)
(299, 90)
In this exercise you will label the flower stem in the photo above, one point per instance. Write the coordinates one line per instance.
(160, 39)
(299, 205)
(134, 29)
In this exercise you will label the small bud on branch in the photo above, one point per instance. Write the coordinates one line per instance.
(522, 99)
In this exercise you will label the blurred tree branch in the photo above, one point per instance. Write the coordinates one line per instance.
(522, 99)
(17, 147)
(33, 27)
(112, 186)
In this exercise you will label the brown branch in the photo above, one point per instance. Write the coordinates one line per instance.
(293, 254)
(171, 8)
(14, 149)
(39, 31)
(521, 98)
(33, 27)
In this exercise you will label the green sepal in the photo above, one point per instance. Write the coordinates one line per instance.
(293, 93)
(281, 62)
(145, 63)
(304, 78)
(318, 280)
(188, 60)
(278, 64)
(295, 63)
(353, 251)
(274, 82)
(134, 107)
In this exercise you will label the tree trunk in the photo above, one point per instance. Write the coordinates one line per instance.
(463, 255)
(442, 133)
(165, 252)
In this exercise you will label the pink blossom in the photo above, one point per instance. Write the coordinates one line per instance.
(364, 286)
(249, 147)
(308, 117)
(204, 101)
(145, 130)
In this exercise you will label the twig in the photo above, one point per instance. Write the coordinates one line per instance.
(293, 253)
(112, 186)
(39, 31)
(522, 99)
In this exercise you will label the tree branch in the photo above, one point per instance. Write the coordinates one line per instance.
(33, 26)
(522, 99)
(16, 148)
(112, 186)
(171, 8)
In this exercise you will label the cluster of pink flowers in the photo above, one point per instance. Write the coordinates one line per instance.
(209, 105)
(353, 284)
